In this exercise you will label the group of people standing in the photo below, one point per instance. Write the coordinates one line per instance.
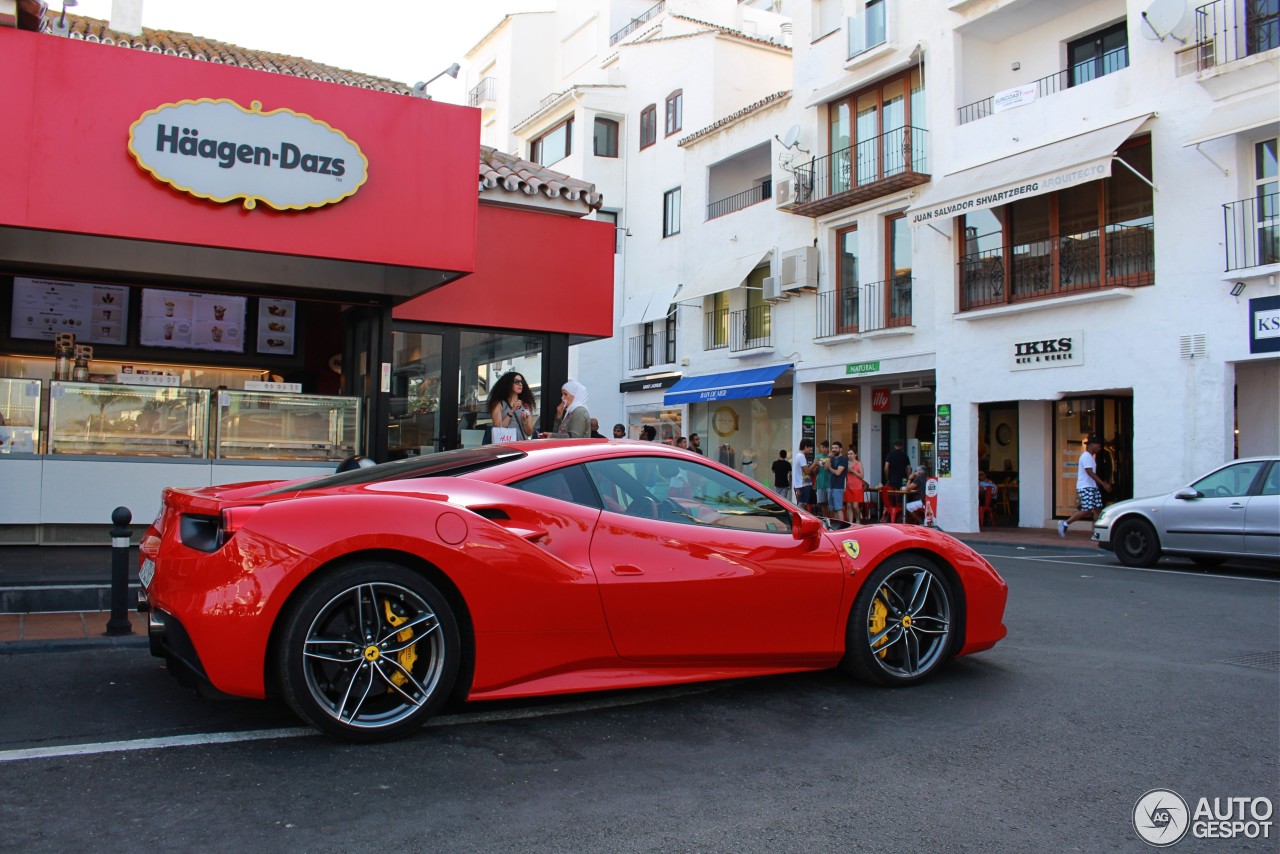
(512, 406)
(828, 482)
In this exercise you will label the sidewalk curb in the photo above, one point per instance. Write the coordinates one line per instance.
(1049, 547)
(28, 647)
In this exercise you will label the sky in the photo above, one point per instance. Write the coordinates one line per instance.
(406, 41)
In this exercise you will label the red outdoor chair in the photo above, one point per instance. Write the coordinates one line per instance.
(891, 509)
(984, 506)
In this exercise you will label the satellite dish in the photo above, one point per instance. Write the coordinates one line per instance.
(1168, 19)
(791, 137)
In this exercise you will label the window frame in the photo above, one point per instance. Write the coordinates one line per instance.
(538, 143)
(612, 127)
(674, 112)
(648, 126)
(1096, 40)
(671, 212)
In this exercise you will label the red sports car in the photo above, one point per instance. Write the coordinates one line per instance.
(369, 598)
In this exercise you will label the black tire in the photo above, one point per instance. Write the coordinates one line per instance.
(1135, 543)
(903, 623)
(345, 664)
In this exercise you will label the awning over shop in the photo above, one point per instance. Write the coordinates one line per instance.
(633, 308)
(1049, 168)
(730, 385)
(720, 277)
(659, 304)
(1237, 117)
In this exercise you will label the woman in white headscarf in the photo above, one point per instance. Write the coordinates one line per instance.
(573, 421)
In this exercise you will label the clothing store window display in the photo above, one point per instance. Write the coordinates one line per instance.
(573, 421)
(511, 406)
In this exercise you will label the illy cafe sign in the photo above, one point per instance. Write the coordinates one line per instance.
(218, 150)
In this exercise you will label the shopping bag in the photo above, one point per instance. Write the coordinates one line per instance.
(503, 435)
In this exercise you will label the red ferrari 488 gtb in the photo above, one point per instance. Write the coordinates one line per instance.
(369, 598)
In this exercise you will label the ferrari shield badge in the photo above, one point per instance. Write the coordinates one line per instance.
(852, 548)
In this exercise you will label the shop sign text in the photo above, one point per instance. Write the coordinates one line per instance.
(218, 150)
(1050, 351)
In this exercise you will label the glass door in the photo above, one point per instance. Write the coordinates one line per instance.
(414, 416)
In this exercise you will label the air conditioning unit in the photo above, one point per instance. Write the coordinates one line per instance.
(782, 195)
(800, 269)
(773, 291)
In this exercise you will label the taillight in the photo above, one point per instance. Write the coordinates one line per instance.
(234, 518)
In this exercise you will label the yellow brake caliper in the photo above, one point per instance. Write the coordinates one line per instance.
(409, 655)
(878, 620)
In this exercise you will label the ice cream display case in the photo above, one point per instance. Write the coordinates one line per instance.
(127, 420)
(19, 415)
(258, 425)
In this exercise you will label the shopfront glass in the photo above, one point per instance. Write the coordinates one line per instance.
(745, 434)
(414, 416)
(1075, 419)
(483, 357)
(665, 419)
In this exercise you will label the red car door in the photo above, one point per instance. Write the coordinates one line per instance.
(695, 564)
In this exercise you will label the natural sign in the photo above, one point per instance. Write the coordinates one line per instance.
(218, 150)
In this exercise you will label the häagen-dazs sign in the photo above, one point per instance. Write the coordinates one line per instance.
(218, 150)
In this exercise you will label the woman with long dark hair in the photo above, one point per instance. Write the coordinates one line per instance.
(511, 404)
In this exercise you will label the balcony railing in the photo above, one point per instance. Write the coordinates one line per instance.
(1112, 61)
(1252, 231)
(1222, 36)
(484, 91)
(738, 201)
(645, 351)
(1118, 255)
(715, 332)
(865, 308)
(750, 328)
(867, 30)
(635, 23)
(870, 169)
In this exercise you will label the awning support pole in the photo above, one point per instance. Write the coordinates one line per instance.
(1211, 160)
(1141, 177)
(940, 231)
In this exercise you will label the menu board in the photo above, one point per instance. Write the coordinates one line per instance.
(277, 325)
(96, 314)
(192, 321)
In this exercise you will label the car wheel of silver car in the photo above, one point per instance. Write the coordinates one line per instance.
(1135, 543)
(902, 625)
(368, 653)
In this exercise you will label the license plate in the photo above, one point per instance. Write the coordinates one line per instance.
(146, 572)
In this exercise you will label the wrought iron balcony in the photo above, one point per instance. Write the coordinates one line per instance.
(646, 351)
(1252, 232)
(1115, 256)
(1112, 61)
(634, 24)
(1227, 30)
(486, 90)
(738, 201)
(716, 330)
(873, 168)
(750, 328)
(865, 308)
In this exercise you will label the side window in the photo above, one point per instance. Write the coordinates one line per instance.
(566, 484)
(685, 492)
(1271, 486)
(1230, 482)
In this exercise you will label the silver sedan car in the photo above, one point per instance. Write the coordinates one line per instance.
(1231, 512)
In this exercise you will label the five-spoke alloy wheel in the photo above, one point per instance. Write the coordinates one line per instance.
(369, 653)
(902, 624)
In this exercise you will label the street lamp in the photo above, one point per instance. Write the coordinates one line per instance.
(420, 88)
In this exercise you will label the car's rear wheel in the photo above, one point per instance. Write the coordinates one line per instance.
(1135, 543)
(902, 624)
(369, 653)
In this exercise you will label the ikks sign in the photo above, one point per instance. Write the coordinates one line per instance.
(1051, 351)
(218, 150)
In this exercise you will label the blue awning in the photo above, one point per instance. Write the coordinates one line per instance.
(729, 385)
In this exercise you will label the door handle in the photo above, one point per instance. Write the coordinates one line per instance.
(627, 569)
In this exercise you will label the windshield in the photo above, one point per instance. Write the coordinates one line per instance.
(443, 464)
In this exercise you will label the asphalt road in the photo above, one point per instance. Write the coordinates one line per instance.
(1112, 682)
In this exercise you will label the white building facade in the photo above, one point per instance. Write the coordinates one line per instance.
(988, 228)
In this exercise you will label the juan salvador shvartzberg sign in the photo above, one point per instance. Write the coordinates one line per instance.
(218, 150)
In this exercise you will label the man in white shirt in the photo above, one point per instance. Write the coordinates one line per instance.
(1089, 485)
(801, 481)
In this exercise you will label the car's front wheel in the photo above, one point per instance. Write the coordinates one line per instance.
(902, 624)
(1135, 543)
(368, 653)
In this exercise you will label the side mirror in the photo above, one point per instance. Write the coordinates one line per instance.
(1188, 493)
(804, 526)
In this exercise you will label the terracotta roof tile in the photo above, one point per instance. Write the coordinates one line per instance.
(497, 170)
(733, 118)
